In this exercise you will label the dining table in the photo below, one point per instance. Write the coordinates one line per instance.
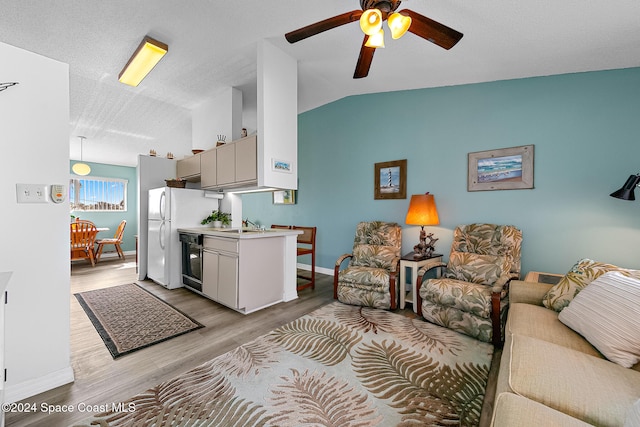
(99, 229)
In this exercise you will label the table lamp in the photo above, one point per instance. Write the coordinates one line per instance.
(422, 211)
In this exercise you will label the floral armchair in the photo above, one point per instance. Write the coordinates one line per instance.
(370, 277)
(471, 297)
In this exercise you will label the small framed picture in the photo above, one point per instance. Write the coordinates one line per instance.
(284, 197)
(502, 169)
(281, 166)
(390, 180)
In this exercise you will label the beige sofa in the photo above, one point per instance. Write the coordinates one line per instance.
(551, 376)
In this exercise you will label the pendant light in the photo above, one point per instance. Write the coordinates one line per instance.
(81, 168)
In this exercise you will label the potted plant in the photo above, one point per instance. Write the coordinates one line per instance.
(217, 219)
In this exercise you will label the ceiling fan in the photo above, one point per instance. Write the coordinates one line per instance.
(373, 13)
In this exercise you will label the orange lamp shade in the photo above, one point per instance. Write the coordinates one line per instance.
(422, 210)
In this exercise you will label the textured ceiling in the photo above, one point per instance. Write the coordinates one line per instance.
(212, 46)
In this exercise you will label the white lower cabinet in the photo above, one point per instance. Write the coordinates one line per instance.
(243, 274)
(220, 271)
(228, 280)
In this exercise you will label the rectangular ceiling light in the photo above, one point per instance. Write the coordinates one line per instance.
(146, 56)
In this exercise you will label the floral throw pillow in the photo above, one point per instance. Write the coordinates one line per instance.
(476, 268)
(581, 274)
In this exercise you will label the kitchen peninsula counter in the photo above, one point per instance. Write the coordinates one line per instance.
(237, 233)
(247, 269)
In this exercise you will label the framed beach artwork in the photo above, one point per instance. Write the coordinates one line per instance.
(281, 165)
(502, 169)
(390, 180)
(284, 197)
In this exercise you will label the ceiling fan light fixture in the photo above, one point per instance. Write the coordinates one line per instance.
(372, 14)
(398, 24)
(371, 21)
(376, 40)
(146, 56)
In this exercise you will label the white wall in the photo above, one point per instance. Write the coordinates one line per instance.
(219, 116)
(34, 136)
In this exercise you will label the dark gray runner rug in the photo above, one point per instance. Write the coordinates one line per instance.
(129, 318)
(340, 365)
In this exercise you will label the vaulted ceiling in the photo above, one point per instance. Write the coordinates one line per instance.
(212, 46)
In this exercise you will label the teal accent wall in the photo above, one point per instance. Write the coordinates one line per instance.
(586, 132)
(112, 219)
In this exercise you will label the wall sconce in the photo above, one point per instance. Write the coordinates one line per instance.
(422, 211)
(626, 192)
(146, 56)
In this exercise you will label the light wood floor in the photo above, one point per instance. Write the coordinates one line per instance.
(101, 380)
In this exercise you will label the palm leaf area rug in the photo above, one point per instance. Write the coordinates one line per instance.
(340, 366)
(130, 318)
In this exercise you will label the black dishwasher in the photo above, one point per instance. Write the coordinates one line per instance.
(192, 260)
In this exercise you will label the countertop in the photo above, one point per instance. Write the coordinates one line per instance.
(240, 233)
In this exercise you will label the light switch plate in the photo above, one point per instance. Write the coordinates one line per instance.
(31, 193)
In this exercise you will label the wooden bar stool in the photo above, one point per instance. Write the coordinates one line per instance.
(307, 246)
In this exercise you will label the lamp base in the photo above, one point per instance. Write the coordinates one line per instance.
(422, 253)
(423, 249)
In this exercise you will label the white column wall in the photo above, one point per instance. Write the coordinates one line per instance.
(34, 135)
(277, 116)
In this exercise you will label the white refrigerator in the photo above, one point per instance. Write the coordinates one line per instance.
(170, 209)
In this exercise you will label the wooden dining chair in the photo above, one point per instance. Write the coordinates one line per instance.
(116, 240)
(307, 246)
(287, 227)
(83, 237)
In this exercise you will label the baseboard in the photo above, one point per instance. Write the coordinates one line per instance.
(23, 390)
(114, 254)
(322, 270)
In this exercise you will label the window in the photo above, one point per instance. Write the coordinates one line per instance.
(98, 194)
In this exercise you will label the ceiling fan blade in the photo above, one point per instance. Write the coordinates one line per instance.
(431, 30)
(319, 27)
(364, 60)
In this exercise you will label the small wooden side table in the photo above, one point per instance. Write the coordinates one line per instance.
(408, 262)
(538, 276)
